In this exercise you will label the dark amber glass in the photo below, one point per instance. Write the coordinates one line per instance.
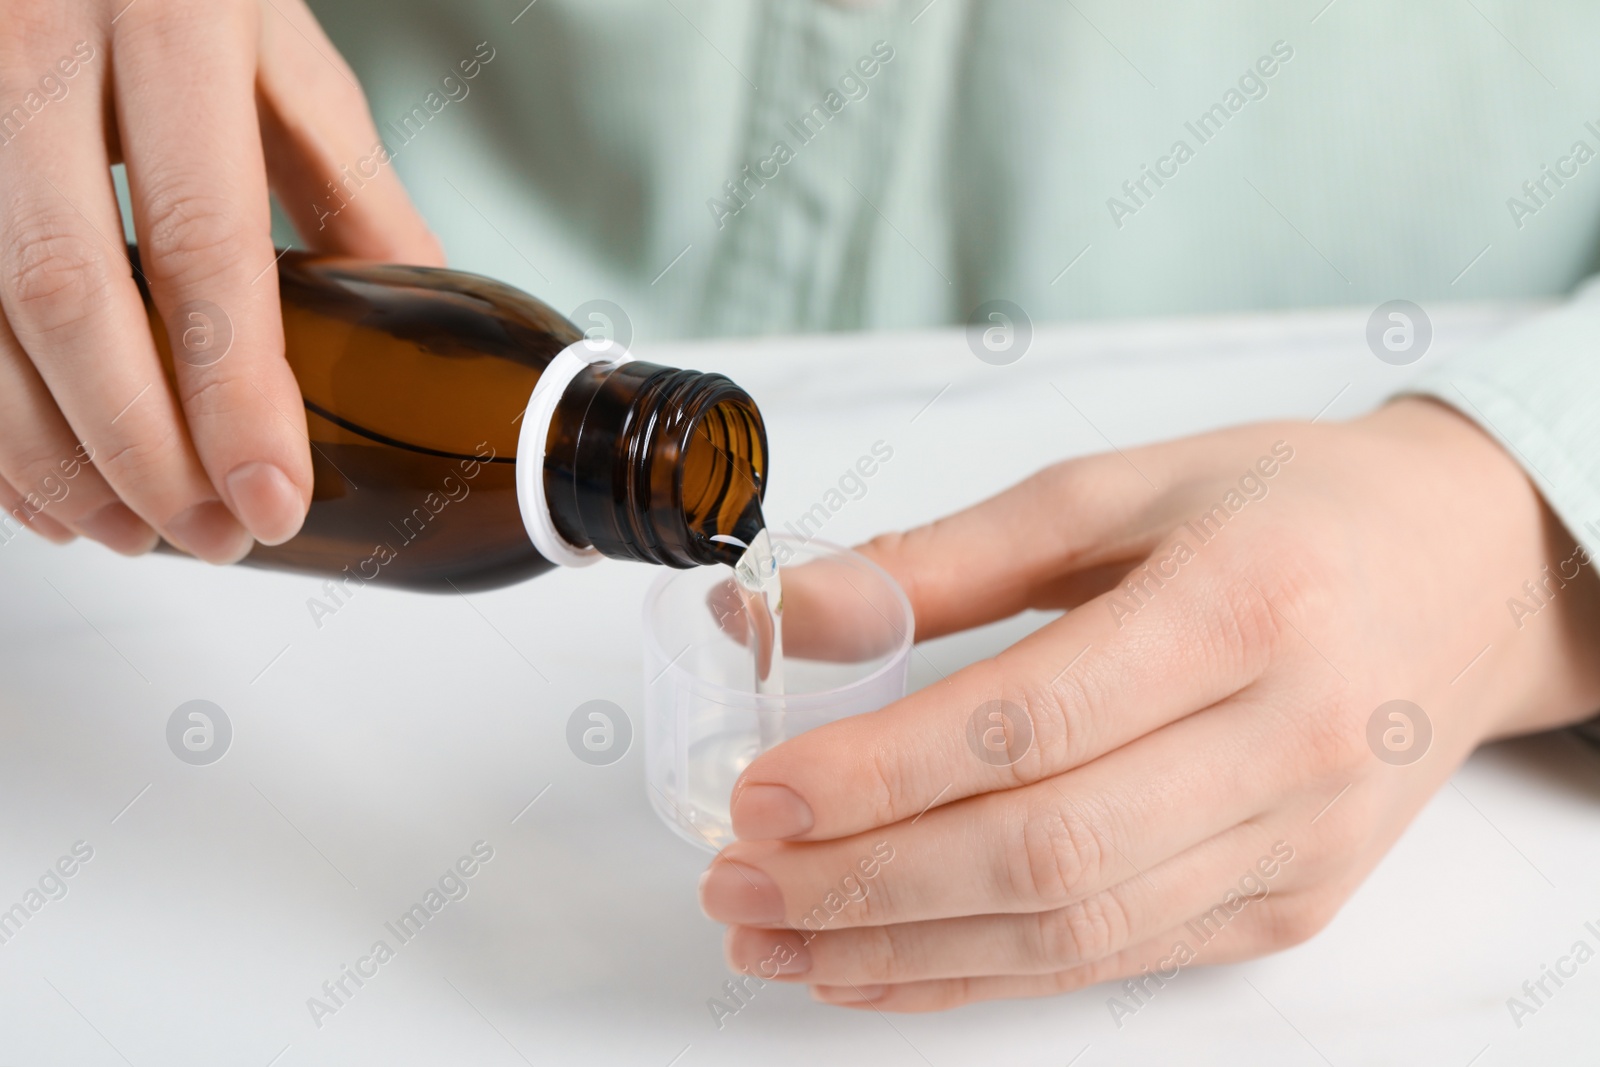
(661, 462)
(415, 380)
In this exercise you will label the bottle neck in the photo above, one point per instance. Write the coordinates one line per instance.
(639, 461)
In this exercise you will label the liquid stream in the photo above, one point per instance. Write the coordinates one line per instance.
(761, 593)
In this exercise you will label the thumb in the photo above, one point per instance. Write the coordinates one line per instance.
(1054, 540)
(331, 171)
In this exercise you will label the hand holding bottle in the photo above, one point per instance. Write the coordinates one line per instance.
(208, 102)
(1207, 723)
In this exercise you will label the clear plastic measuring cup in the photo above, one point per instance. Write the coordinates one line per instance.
(847, 633)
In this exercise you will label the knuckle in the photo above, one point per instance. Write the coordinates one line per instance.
(1304, 585)
(962, 991)
(39, 483)
(213, 396)
(1103, 482)
(1081, 933)
(895, 552)
(884, 952)
(1293, 921)
(1339, 835)
(28, 462)
(1344, 830)
(887, 778)
(139, 456)
(1057, 852)
(52, 273)
(949, 993)
(160, 28)
(877, 906)
(189, 236)
(1071, 479)
(1063, 714)
(1280, 591)
(886, 545)
(1240, 626)
(33, 27)
(1335, 738)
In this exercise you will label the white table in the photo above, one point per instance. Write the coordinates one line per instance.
(370, 754)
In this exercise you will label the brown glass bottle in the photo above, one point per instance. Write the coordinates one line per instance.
(416, 382)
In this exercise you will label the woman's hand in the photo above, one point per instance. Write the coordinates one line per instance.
(204, 100)
(1209, 774)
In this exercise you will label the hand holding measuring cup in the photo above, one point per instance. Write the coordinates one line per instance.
(1188, 748)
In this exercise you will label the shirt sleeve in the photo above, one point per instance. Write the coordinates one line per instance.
(1536, 389)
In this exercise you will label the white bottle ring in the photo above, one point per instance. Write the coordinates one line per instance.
(535, 433)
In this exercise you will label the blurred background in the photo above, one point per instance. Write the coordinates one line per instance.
(1342, 152)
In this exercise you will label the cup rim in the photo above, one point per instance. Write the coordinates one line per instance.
(780, 702)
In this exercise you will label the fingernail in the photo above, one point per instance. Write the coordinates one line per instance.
(733, 893)
(119, 529)
(266, 501)
(848, 994)
(210, 532)
(767, 953)
(770, 812)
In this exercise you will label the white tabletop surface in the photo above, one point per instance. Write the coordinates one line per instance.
(370, 754)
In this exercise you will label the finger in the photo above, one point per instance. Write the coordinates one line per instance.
(1081, 686)
(1150, 966)
(1037, 848)
(1207, 886)
(333, 174)
(205, 247)
(66, 290)
(828, 617)
(18, 514)
(827, 614)
(1010, 552)
(39, 452)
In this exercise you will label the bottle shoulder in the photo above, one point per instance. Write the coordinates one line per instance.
(439, 360)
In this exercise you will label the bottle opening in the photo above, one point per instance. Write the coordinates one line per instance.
(655, 464)
(723, 479)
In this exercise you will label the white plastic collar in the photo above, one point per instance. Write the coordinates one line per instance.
(531, 446)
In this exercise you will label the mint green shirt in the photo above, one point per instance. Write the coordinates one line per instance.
(748, 166)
